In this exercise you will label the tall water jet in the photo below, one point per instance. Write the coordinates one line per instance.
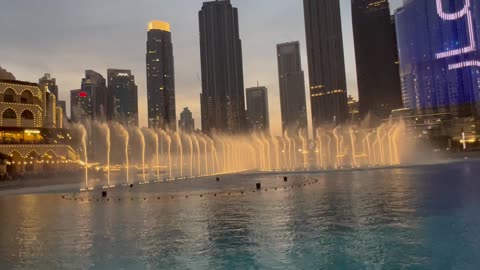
(197, 147)
(320, 149)
(126, 136)
(304, 149)
(205, 153)
(157, 159)
(289, 150)
(277, 152)
(190, 142)
(142, 146)
(180, 150)
(106, 130)
(370, 160)
(352, 142)
(267, 144)
(84, 136)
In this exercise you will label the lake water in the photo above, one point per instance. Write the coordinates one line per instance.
(423, 217)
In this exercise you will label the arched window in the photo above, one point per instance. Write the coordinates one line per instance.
(27, 115)
(26, 97)
(9, 95)
(9, 114)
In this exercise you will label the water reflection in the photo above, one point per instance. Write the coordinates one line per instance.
(422, 217)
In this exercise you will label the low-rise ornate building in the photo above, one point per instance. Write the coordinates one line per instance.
(31, 131)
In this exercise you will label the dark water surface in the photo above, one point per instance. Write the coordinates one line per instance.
(405, 218)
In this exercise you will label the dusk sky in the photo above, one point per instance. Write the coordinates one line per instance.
(66, 37)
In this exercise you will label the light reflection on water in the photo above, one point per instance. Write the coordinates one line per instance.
(410, 218)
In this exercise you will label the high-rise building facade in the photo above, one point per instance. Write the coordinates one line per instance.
(257, 109)
(95, 86)
(326, 66)
(186, 122)
(376, 58)
(222, 97)
(122, 103)
(81, 105)
(292, 88)
(160, 77)
(50, 83)
(439, 55)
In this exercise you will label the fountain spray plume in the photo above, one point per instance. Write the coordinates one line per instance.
(126, 138)
(197, 147)
(155, 139)
(106, 132)
(142, 146)
(84, 137)
(190, 143)
(169, 149)
(180, 150)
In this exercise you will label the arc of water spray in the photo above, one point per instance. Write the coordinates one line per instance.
(180, 149)
(352, 141)
(304, 149)
(142, 145)
(190, 142)
(197, 147)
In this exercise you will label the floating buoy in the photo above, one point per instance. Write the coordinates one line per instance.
(104, 193)
(259, 186)
(285, 179)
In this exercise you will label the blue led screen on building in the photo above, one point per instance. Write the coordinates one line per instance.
(439, 52)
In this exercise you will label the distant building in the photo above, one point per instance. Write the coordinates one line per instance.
(186, 122)
(257, 109)
(376, 58)
(326, 64)
(63, 106)
(160, 77)
(31, 130)
(292, 88)
(353, 110)
(440, 60)
(122, 103)
(95, 86)
(81, 105)
(50, 83)
(222, 97)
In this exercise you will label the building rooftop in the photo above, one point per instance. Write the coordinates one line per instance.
(159, 25)
(18, 82)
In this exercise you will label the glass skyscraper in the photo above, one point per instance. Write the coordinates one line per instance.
(439, 54)
(160, 76)
(222, 97)
(326, 66)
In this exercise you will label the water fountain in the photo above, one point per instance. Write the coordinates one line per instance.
(209, 155)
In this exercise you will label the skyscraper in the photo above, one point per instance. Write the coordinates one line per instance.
(50, 83)
(160, 77)
(95, 86)
(257, 109)
(222, 98)
(122, 103)
(326, 67)
(81, 105)
(440, 60)
(375, 54)
(292, 88)
(186, 122)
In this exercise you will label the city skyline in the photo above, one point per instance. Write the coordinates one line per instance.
(119, 41)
